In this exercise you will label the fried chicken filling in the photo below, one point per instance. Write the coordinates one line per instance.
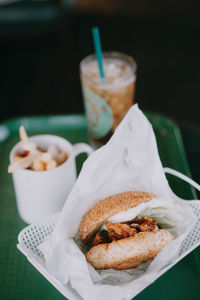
(117, 231)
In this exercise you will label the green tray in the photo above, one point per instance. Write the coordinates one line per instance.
(18, 278)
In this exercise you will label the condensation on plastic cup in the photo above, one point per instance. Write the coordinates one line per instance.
(107, 101)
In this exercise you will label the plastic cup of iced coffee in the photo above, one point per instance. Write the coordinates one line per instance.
(107, 100)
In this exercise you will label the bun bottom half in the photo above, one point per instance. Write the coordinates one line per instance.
(129, 252)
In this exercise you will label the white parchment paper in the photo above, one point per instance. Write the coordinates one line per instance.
(128, 162)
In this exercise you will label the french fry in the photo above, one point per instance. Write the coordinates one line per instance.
(18, 157)
(38, 165)
(45, 157)
(22, 134)
(23, 163)
(53, 150)
(51, 165)
(62, 157)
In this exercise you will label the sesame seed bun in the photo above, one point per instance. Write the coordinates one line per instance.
(129, 252)
(108, 207)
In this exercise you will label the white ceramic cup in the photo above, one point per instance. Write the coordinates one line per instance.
(42, 193)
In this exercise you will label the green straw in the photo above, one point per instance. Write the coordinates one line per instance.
(98, 51)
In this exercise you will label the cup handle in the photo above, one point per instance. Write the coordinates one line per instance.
(82, 147)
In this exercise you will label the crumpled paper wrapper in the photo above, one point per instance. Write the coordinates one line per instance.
(129, 161)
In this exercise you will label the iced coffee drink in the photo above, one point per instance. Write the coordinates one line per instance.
(107, 100)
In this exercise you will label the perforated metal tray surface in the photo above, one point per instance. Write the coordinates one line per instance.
(18, 278)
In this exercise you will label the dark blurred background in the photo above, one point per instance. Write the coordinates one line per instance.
(43, 42)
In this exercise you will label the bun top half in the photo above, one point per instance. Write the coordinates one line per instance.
(108, 207)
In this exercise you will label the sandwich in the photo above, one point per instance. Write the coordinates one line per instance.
(122, 244)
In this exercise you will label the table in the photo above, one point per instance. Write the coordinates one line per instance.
(19, 279)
